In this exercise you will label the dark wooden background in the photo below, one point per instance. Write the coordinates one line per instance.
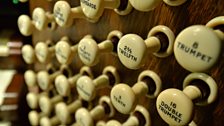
(171, 73)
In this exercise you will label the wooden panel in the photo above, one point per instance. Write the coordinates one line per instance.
(171, 73)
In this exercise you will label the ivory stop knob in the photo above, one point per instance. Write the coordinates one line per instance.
(83, 117)
(42, 19)
(87, 118)
(93, 9)
(32, 100)
(43, 52)
(65, 85)
(47, 104)
(34, 117)
(28, 54)
(44, 79)
(145, 5)
(89, 50)
(63, 52)
(197, 48)
(63, 111)
(176, 107)
(30, 78)
(46, 121)
(139, 117)
(87, 87)
(125, 98)
(148, 5)
(25, 25)
(61, 13)
(64, 14)
(132, 48)
(62, 85)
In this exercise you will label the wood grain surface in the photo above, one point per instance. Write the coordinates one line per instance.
(171, 73)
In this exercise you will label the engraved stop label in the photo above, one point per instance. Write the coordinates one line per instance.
(170, 111)
(197, 48)
(175, 107)
(58, 14)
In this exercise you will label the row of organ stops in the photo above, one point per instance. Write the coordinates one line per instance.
(91, 10)
(196, 48)
(68, 98)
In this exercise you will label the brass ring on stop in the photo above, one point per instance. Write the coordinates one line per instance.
(87, 70)
(126, 11)
(113, 71)
(217, 21)
(156, 79)
(145, 113)
(170, 35)
(108, 101)
(114, 33)
(210, 83)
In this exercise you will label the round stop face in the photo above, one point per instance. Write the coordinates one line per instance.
(88, 51)
(123, 98)
(62, 112)
(62, 12)
(45, 104)
(145, 5)
(174, 107)
(30, 78)
(131, 50)
(33, 117)
(42, 52)
(43, 80)
(63, 52)
(113, 123)
(86, 88)
(25, 25)
(32, 100)
(28, 54)
(62, 85)
(39, 18)
(83, 117)
(45, 121)
(197, 48)
(93, 9)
